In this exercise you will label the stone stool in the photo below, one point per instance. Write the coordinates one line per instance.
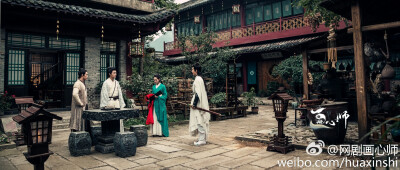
(125, 144)
(79, 143)
(95, 132)
(141, 134)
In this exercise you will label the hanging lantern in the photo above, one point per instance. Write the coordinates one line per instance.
(58, 27)
(136, 47)
(197, 19)
(102, 33)
(236, 9)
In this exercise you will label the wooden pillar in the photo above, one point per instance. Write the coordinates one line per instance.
(359, 70)
(305, 76)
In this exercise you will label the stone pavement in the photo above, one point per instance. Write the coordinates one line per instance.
(177, 151)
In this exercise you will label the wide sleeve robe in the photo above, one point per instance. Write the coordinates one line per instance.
(198, 117)
(161, 108)
(107, 87)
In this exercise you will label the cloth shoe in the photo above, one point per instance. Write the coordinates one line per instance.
(200, 143)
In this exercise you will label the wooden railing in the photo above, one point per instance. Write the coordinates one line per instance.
(255, 29)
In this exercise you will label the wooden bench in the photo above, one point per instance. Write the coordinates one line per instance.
(241, 111)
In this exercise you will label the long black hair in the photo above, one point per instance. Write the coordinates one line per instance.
(197, 68)
(158, 77)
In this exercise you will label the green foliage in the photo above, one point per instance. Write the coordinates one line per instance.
(143, 84)
(291, 70)
(212, 60)
(315, 14)
(272, 86)
(97, 90)
(4, 138)
(169, 4)
(219, 99)
(127, 101)
(141, 120)
(6, 101)
(250, 98)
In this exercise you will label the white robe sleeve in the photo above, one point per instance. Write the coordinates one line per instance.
(104, 95)
(121, 97)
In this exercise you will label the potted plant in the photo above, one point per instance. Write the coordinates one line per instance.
(219, 99)
(6, 101)
(251, 100)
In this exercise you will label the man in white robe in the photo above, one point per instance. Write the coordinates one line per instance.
(199, 120)
(111, 93)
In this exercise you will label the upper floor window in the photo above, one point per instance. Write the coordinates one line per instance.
(188, 28)
(259, 12)
(223, 20)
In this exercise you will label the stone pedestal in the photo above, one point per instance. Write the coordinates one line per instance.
(110, 124)
(79, 143)
(140, 133)
(95, 133)
(125, 144)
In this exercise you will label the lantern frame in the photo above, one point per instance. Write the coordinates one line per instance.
(136, 48)
(197, 19)
(236, 9)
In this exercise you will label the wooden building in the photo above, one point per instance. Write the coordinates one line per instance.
(45, 42)
(261, 32)
(375, 33)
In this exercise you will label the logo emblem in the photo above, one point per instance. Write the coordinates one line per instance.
(315, 148)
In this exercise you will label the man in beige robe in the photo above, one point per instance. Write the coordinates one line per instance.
(199, 120)
(79, 102)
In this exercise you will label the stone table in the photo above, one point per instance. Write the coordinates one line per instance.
(110, 124)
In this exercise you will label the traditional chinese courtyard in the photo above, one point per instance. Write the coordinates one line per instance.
(176, 151)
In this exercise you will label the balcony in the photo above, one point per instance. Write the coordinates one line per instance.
(257, 32)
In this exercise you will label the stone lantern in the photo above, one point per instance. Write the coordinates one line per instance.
(280, 143)
(37, 131)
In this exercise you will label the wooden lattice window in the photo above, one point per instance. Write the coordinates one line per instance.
(277, 10)
(25, 40)
(108, 53)
(39, 131)
(64, 43)
(72, 67)
(16, 67)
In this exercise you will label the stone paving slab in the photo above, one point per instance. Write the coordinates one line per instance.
(239, 162)
(86, 163)
(121, 163)
(145, 161)
(248, 167)
(164, 148)
(207, 153)
(174, 161)
(175, 152)
(205, 162)
(242, 152)
(104, 168)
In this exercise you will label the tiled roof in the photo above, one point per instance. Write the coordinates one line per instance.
(73, 9)
(193, 3)
(31, 112)
(256, 48)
